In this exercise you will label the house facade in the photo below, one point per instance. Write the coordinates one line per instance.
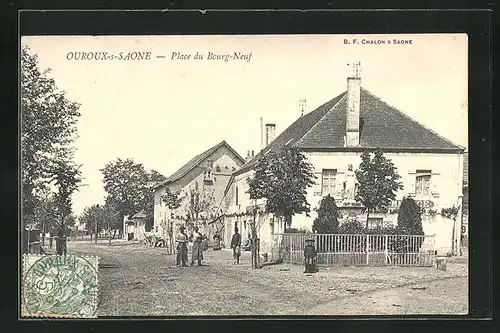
(207, 174)
(332, 137)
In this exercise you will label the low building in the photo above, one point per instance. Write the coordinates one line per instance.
(332, 137)
(202, 180)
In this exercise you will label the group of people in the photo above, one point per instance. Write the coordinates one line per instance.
(182, 251)
(198, 239)
(310, 252)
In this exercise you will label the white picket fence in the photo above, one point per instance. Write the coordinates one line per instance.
(357, 250)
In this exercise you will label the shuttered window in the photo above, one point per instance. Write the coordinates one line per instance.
(328, 182)
(423, 182)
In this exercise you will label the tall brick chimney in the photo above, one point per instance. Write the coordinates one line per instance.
(352, 112)
(270, 132)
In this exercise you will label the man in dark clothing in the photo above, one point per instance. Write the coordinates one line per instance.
(310, 255)
(182, 251)
(236, 246)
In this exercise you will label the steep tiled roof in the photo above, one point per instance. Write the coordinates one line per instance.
(195, 161)
(294, 132)
(381, 126)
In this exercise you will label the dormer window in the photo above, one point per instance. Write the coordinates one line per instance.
(210, 164)
(207, 177)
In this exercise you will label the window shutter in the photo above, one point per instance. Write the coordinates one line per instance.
(411, 182)
(339, 184)
(435, 185)
(317, 185)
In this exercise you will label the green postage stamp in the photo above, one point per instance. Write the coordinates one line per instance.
(59, 286)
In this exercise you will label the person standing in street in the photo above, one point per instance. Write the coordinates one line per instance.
(197, 254)
(236, 246)
(181, 239)
(310, 256)
(217, 239)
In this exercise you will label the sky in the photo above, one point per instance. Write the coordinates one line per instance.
(163, 111)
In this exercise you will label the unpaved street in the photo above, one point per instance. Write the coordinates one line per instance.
(135, 280)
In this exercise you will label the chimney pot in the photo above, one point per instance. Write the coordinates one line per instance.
(270, 133)
(352, 111)
(253, 153)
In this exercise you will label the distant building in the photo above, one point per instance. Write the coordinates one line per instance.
(211, 171)
(332, 137)
(135, 226)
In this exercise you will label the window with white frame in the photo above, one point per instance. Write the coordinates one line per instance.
(328, 178)
(423, 182)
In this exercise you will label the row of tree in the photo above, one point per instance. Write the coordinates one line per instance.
(129, 189)
(49, 174)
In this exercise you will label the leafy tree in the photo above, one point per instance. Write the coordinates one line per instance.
(148, 203)
(328, 214)
(48, 128)
(67, 179)
(172, 199)
(92, 216)
(126, 184)
(282, 178)
(201, 204)
(378, 182)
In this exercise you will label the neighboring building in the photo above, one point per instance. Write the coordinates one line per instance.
(135, 226)
(211, 170)
(333, 137)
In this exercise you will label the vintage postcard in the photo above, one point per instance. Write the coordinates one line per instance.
(244, 175)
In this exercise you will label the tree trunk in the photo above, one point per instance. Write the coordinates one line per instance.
(367, 216)
(453, 238)
(288, 222)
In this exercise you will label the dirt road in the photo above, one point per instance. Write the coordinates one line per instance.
(136, 280)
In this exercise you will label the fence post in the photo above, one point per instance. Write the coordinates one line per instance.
(367, 239)
(386, 250)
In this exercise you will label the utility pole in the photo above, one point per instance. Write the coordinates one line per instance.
(255, 240)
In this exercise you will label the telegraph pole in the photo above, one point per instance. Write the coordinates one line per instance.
(95, 222)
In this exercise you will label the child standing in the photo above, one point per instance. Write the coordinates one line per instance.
(310, 255)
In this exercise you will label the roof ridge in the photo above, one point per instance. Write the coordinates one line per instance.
(201, 156)
(320, 119)
(411, 119)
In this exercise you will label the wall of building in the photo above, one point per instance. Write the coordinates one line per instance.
(446, 191)
(446, 179)
(223, 160)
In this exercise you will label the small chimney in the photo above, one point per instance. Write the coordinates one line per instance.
(261, 133)
(352, 112)
(249, 156)
(270, 132)
(253, 152)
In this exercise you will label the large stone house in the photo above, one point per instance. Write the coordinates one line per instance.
(209, 172)
(332, 137)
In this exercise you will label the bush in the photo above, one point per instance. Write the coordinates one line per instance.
(382, 231)
(410, 218)
(351, 228)
(328, 213)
